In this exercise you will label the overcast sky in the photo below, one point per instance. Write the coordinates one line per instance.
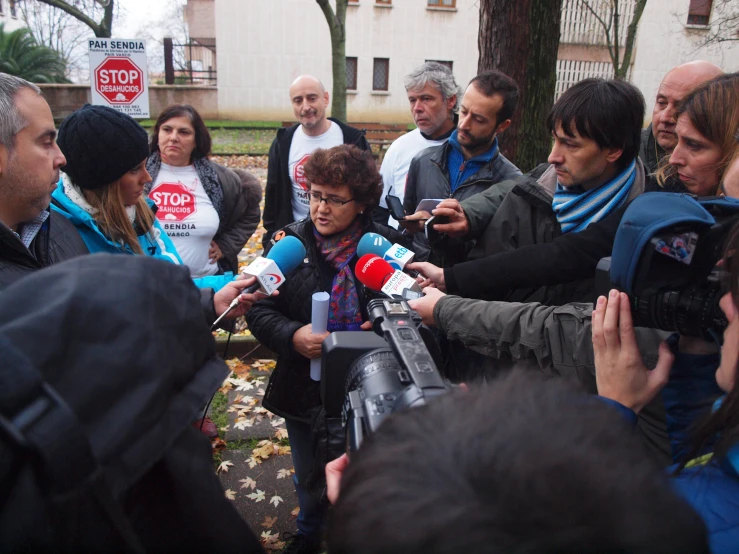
(137, 14)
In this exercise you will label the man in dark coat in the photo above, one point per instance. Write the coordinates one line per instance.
(286, 194)
(31, 236)
(468, 163)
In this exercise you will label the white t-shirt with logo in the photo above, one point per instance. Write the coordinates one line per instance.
(187, 215)
(301, 148)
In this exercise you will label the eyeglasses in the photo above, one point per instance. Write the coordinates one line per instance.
(315, 196)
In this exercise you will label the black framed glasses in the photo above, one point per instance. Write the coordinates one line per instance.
(316, 197)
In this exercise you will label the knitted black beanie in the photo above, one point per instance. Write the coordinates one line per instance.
(101, 145)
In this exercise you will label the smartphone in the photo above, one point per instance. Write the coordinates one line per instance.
(396, 207)
(428, 204)
(433, 235)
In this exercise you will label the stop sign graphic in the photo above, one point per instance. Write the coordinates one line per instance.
(119, 80)
(174, 202)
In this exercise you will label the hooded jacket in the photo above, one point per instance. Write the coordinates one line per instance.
(154, 244)
(278, 208)
(135, 374)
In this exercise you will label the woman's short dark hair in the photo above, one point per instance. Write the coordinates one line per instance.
(608, 112)
(347, 165)
(202, 136)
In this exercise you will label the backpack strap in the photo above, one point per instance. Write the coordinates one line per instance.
(48, 434)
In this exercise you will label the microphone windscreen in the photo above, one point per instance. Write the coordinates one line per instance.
(372, 243)
(287, 253)
(372, 271)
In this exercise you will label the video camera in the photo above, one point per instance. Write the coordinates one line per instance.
(664, 257)
(366, 376)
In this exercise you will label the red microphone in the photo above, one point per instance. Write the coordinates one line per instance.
(378, 275)
(373, 272)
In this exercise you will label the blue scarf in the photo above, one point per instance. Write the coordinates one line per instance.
(575, 210)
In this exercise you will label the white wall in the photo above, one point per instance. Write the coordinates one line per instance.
(264, 46)
(663, 42)
(11, 23)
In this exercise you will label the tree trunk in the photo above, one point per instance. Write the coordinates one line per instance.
(337, 27)
(521, 39)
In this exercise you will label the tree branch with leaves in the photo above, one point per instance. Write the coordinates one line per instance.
(337, 26)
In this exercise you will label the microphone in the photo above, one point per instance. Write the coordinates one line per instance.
(395, 254)
(270, 271)
(378, 275)
(284, 256)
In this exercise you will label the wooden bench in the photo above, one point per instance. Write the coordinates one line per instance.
(379, 135)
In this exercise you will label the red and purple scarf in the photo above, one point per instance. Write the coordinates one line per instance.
(338, 250)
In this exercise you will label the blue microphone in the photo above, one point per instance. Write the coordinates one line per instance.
(394, 254)
(287, 254)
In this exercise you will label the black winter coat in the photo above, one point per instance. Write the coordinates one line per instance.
(291, 393)
(278, 206)
(123, 341)
(56, 241)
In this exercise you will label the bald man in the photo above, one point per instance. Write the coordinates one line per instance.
(286, 196)
(659, 138)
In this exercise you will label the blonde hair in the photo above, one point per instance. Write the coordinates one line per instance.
(113, 220)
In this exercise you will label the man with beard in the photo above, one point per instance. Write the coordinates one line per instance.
(469, 162)
(433, 95)
(31, 236)
(659, 138)
(286, 196)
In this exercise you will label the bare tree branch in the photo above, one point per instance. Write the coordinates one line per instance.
(102, 29)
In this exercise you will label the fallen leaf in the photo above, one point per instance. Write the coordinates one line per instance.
(281, 433)
(275, 500)
(283, 450)
(224, 466)
(218, 444)
(248, 483)
(253, 462)
(231, 495)
(257, 496)
(295, 512)
(277, 422)
(269, 522)
(285, 473)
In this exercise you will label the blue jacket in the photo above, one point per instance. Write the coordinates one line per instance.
(711, 487)
(155, 244)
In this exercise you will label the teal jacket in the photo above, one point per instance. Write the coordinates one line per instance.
(155, 244)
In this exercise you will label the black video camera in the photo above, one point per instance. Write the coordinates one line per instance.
(664, 257)
(366, 376)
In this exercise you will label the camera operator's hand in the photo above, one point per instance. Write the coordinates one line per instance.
(431, 276)
(425, 305)
(458, 225)
(334, 471)
(307, 343)
(620, 373)
(414, 223)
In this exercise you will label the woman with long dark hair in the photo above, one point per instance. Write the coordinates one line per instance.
(205, 209)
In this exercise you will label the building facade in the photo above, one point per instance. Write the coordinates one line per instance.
(10, 15)
(264, 46)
